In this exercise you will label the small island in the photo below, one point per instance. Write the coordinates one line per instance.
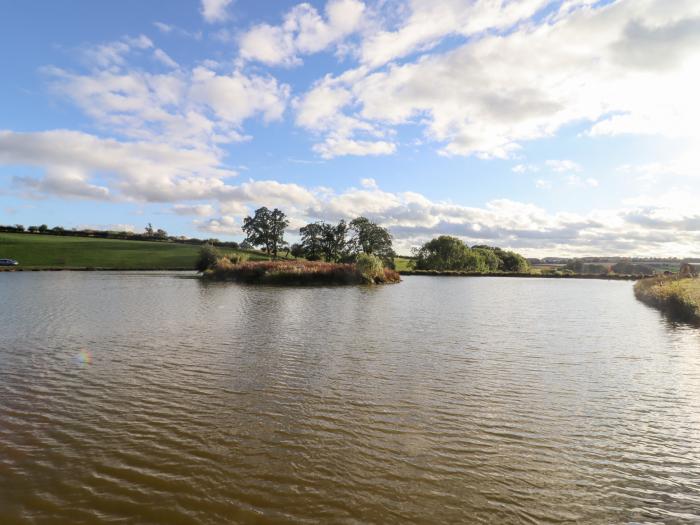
(358, 252)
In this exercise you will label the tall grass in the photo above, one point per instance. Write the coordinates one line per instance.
(679, 297)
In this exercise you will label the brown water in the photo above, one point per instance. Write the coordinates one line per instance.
(152, 398)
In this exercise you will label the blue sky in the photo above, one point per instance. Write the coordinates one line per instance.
(551, 127)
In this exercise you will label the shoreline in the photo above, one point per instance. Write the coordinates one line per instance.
(448, 273)
(96, 269)
(424, 273)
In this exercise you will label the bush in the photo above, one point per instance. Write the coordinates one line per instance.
(370, 267)
(237, 258)
(208, 257)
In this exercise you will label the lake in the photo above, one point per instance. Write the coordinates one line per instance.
(157, 398)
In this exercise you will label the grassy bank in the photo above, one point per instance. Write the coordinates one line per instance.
(679, 298)
(34, 251)
(297, 272)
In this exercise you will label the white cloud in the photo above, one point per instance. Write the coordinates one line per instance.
(224, 225)
(162, 57)
(163, 27)
(525, 168)
(113, 54)
(564, 166)
(185, 108)
(579, 182)
(194, 209)
(108, 227)
(341, 146)
(304, 31)
(430, 21)
(491, 94)
(215, 10)
(320, 111)
(77, 165)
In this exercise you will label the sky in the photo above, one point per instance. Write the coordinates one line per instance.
(555, 128)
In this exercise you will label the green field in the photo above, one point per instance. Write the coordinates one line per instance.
(402, 264)
(36, 251)
(50, 251)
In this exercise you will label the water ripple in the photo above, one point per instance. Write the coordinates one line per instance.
(154, 399)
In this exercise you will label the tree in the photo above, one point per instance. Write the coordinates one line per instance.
(320, 239)
(312, 240)
(161, 234)
(512, 262)
(19, 227)
(492, 262)
(334, 241)
(33, 229)
(370, 238)
(149, 230)
(449, 253)
(297, 250)
(43, 228)
(266, 228)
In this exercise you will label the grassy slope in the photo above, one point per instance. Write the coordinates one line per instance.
(677, 297)
(49, 251)
(402, 264)
(36, 251)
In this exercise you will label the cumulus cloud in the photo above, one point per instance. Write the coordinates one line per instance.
(75, 164)
(336, 146)
(224, 225)
(71, 161)
(429, 21)
(303, 31)
(184, 108)
(488, 96)
(78, 165)
(649, 227)
(215, 10)
(194, 209)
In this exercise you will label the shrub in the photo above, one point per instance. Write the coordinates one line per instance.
(208, 257)
(237, 258)
(370, 267)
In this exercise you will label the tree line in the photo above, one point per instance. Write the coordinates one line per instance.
(450, 253)
(149, 234)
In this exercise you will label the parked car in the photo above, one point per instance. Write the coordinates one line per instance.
(8, 262)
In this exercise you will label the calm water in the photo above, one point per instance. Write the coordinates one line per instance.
(135, 398)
